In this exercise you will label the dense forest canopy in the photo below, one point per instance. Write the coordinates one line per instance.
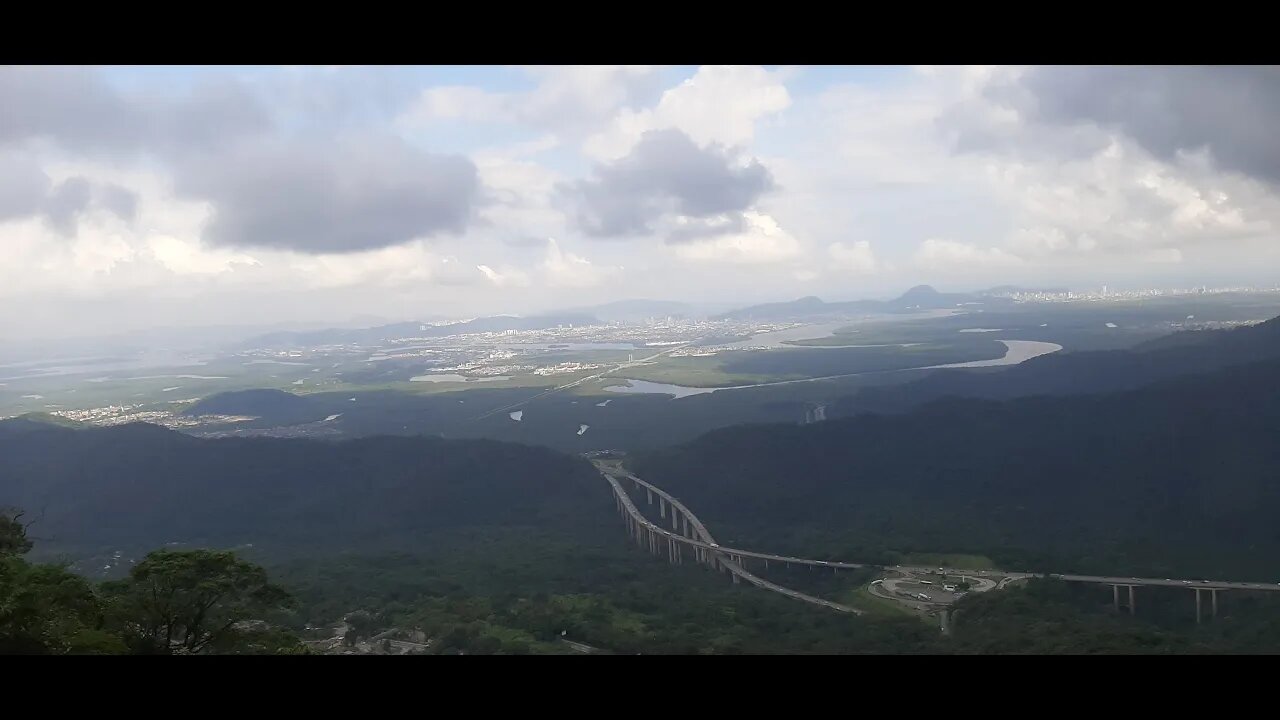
(1178, 477)
(145, 486)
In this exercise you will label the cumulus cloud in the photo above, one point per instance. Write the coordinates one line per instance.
(856, 257)
(569, 102)
(946, 255)
(347, 195)
(506, 276)
(719, 104)
(23, 186)
(268, 190)
(1228, 110)
(561, 268)
(75, 109)
(1134, 163)
(403, 265)
(65, 203)
(189, 257)
(760, 241)
(666, 176)
(120, 200)
(27, 191)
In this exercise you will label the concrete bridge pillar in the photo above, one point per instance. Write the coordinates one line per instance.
(1214, 594)
(1133, 609)
(649, 493)
(1115, 597)
(1197, 605)
(662, 507)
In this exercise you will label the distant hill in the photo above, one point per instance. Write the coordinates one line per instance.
(400, 331)
(1065, 373)
(1177, 479)
(921, 297)
(276, 406)
(144, 486)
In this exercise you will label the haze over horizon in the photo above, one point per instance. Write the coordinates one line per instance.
(142, 197)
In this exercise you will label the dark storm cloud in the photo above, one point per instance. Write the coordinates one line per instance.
(1230, 111)
(347, 195)
(665, 174)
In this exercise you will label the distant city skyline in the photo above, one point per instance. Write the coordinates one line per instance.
(136, 197)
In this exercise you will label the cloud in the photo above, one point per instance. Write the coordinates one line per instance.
(1163, 256)
(362, 190)
(569, 102)
(855, 257)
(719, 104)
(506, 277)
(76, 110)
(26, 191)
(407, 265)
(1128, 162)
(938, 254)
(118, 199)
(564, 269)
(189, 257)
(456, 102)
(65, 203)
(573, 100)
(760, 242)
(23, 186)
(346, 195)
(666, 175)
(1228, 110)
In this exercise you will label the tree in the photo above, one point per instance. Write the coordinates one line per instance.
(193, 601)
(46, 610)
(13, 533)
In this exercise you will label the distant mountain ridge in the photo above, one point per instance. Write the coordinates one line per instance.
(144, 485)
(921, 297)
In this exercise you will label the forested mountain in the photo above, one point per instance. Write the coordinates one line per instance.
(143, 485)
(1181, 477)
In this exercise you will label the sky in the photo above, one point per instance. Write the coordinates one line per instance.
(133, 197)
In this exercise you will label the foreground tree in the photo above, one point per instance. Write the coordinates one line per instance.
(198, 601)
(13, 533)
(47, 610)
